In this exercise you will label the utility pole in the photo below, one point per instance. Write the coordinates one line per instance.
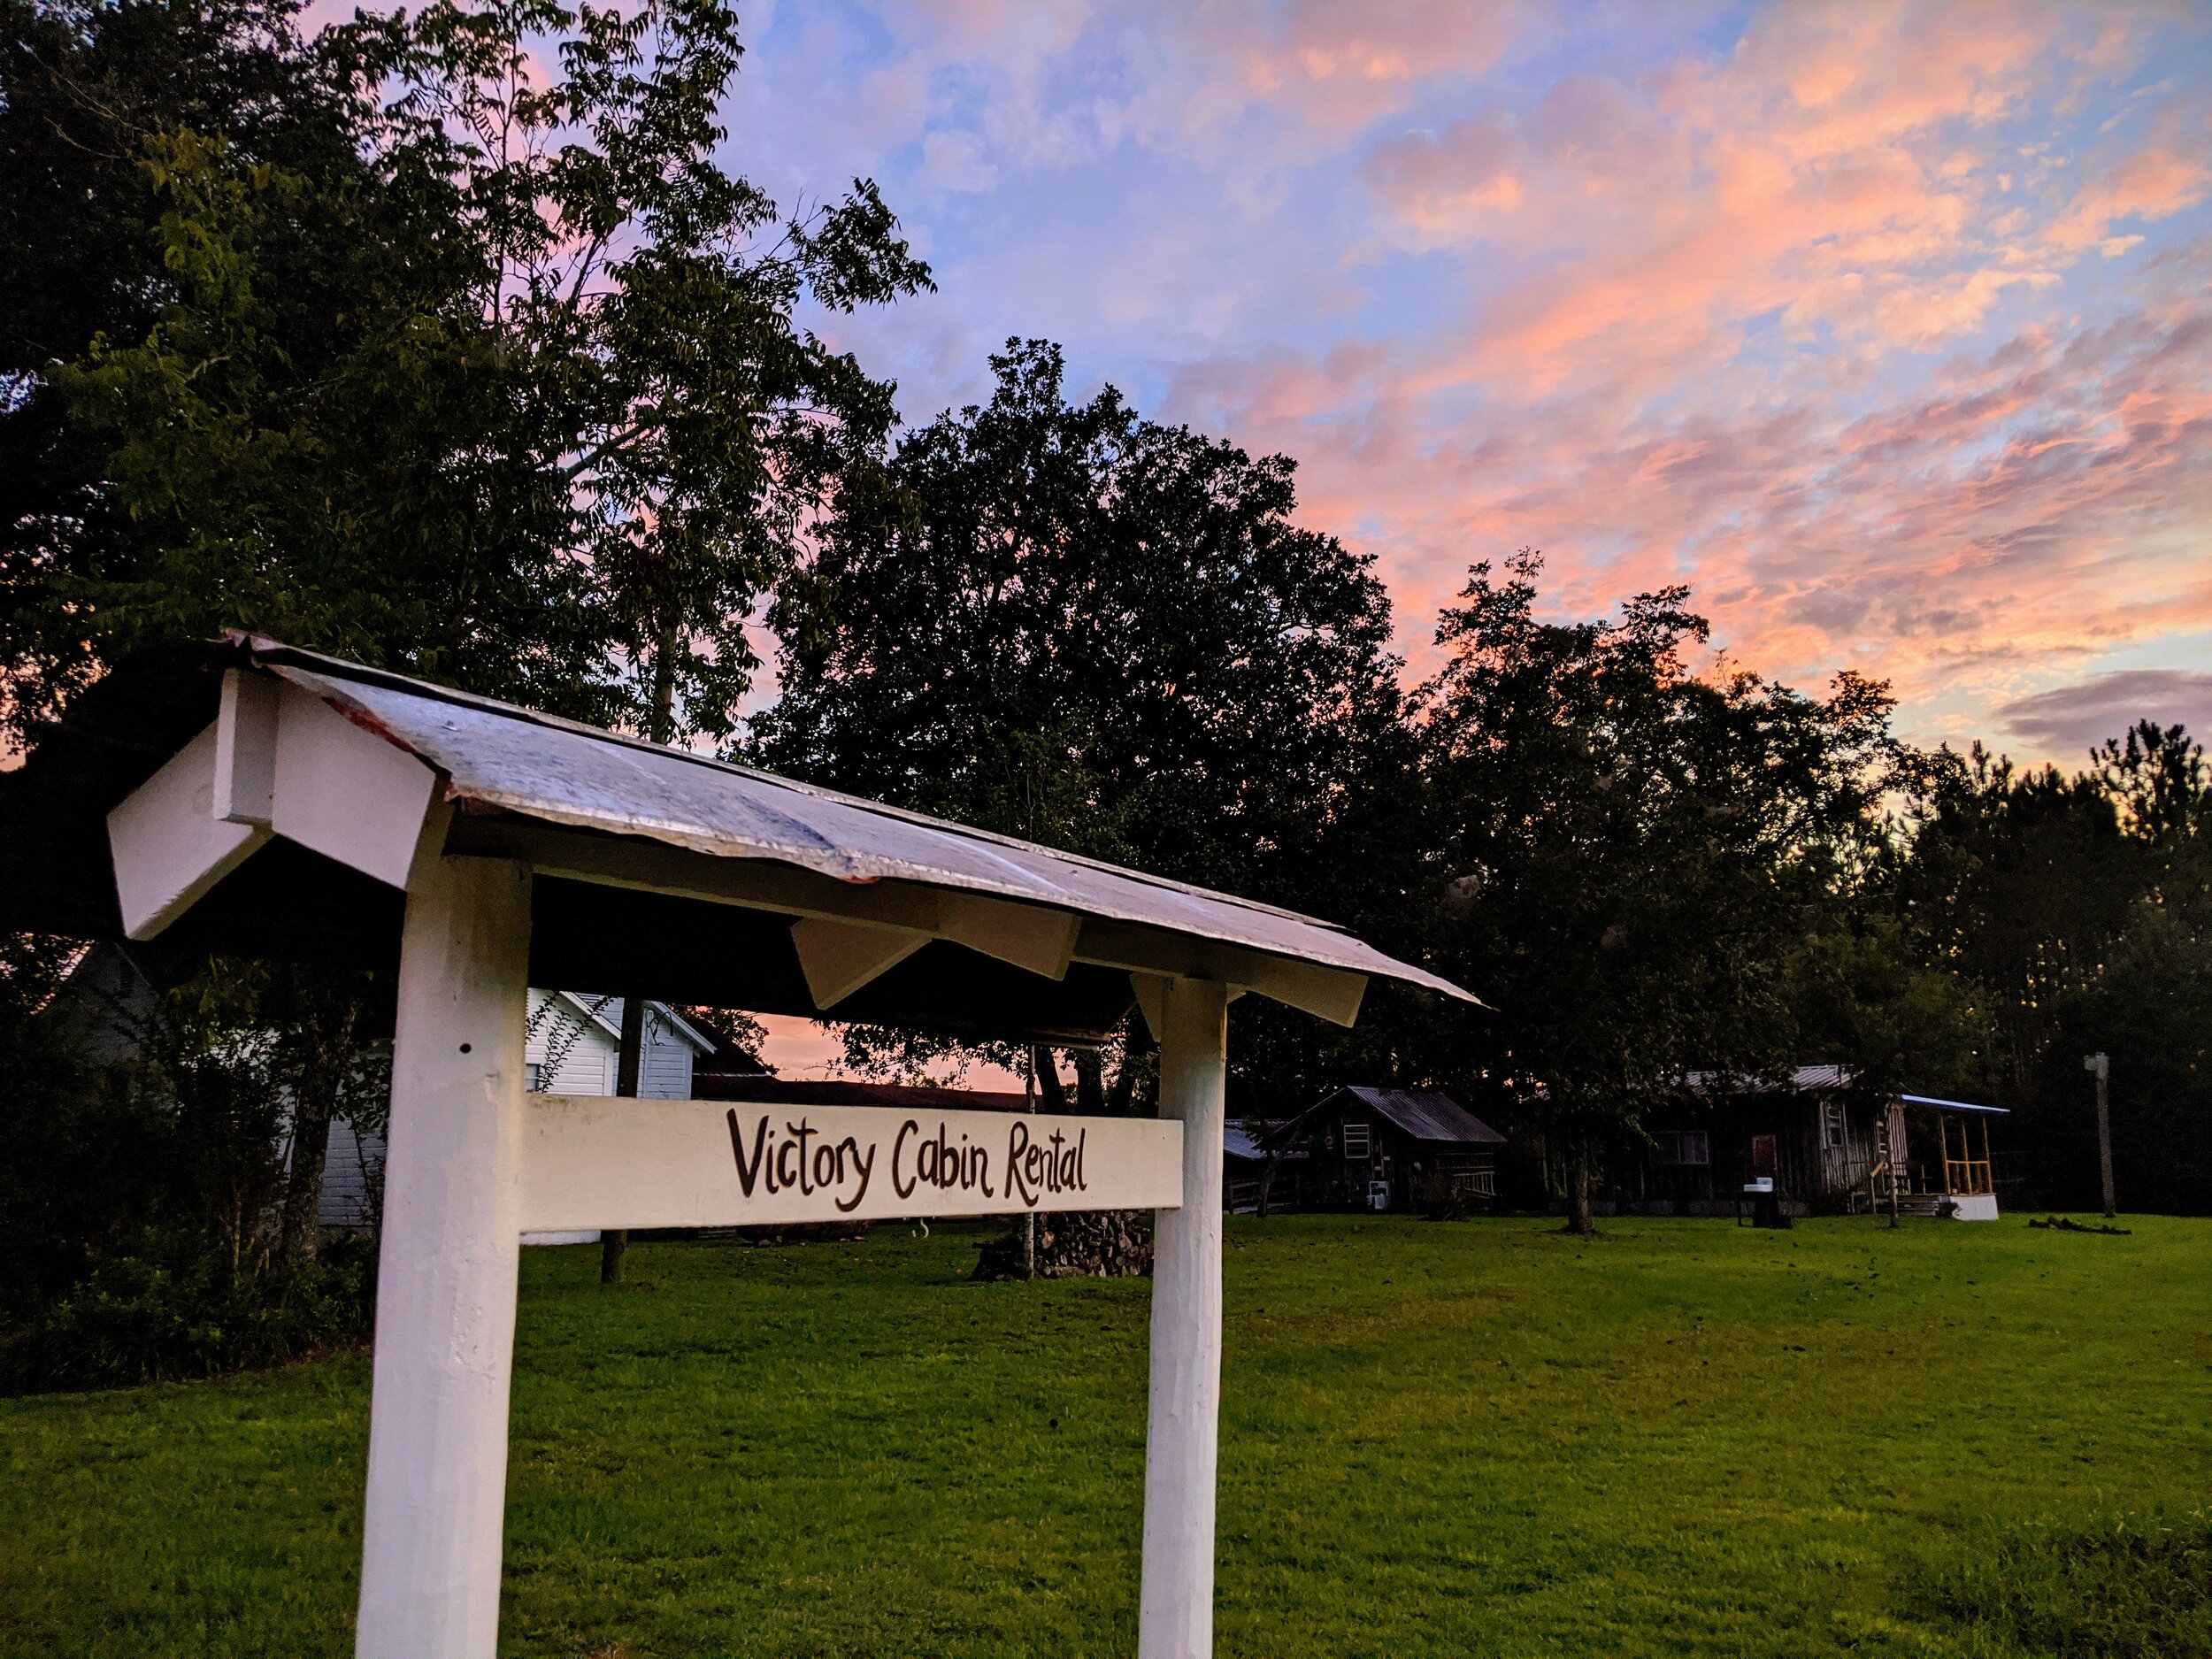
(2101, 1063)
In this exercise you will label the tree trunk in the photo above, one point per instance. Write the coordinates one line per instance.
(1090, 1083)
(662, 725)
(1051, 1097)
(1123, 1100)
(615, 1241)
(1579, 1219)
(301, 1228)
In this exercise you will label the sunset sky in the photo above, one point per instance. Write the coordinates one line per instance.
(1885, 326)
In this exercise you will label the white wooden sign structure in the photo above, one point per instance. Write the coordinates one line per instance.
(602, 1161)
(510, 834)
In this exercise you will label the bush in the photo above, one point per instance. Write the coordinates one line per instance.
(141, 1318)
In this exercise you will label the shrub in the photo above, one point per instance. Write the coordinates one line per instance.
(143, 1318)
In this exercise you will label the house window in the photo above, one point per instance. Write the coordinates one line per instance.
(1355, 1142)
(1833, 1135)
(532, 1077)
(1684, 1146)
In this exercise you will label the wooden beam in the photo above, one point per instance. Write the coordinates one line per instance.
(840, 957)
(346, 793)
(245, 749)
(1151, 989)
(1031, 936)
(168, 846)
(1027, 935)
(1332, 994)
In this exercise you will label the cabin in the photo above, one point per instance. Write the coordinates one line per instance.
(1393, 1148)
(1820, 1144)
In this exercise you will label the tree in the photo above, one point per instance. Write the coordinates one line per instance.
(2015, 884)
(85, 89)
(493, 376)
(439, 340)
(1631, 851)
(2075, 908)
(1065, 622)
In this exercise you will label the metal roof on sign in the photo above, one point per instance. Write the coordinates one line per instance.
(497, 755)
(648, 858)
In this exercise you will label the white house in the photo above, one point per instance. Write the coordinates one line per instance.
(573, 1045)
(574, 1042)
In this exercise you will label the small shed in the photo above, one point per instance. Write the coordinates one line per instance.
(1392, 1148)
(1244, 1165)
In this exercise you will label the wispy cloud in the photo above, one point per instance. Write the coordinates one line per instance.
(1884, 324)
(2078, 717)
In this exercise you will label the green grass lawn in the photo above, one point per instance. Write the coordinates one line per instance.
(1473, 1438)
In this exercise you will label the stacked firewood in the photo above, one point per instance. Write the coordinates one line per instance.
(1075, 1244)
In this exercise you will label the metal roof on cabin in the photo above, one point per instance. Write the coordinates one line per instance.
(1427, 1114)
(1935, 1104)
(1237, 1141)
(1802, 1077)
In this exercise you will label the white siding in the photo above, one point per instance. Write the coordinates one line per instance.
(665, 1067)
(348, 1166)
(664, 1064)
(581, 1051)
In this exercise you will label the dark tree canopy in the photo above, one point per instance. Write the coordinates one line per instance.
(1070, 623)
(1066, 622)
(2073, 912)
(415, 350)
(1632, 851)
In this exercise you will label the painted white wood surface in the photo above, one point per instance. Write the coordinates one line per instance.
(1175, 1615)
(347, 793)
(594, 1160)
(169, 846)
(445, 1307)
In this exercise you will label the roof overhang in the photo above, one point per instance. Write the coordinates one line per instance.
(259, 800)
(1934, 1104)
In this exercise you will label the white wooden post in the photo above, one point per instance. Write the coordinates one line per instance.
(1175, 1619)
(445, 1311)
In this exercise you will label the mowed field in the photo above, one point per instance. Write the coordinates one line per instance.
(1438, 1439)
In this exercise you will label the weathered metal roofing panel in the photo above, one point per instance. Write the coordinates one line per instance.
(500, 755)
(1428, 1115)
(1237, 1141)
(1953, 1106)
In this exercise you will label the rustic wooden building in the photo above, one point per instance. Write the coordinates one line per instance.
(1828, 1145)
(1393, 1148)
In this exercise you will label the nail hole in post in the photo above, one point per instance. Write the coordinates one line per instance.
(465, 1048)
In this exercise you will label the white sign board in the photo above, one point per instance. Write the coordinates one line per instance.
(600, 1161)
